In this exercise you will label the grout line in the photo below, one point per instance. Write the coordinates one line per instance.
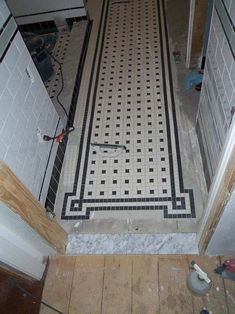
(192, 297)
(158, 279)
(224, 285)
(101, 309)
(71, 287)
(132, 262)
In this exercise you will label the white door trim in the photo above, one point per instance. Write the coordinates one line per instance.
(190, 32)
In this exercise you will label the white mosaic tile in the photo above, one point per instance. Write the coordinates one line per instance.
(132, 106)
(70, 164)
(53, 85)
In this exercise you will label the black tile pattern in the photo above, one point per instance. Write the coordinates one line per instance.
(40, 27)
(172, 195)
(203, 154)
(54, 182)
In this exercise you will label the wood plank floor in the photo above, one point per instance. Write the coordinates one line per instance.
(133, 284)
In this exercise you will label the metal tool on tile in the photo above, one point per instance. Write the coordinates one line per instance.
(108, 150)
(109, 146)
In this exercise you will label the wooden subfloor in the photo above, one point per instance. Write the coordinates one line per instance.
(132, 284)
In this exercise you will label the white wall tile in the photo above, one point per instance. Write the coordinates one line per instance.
(4, 77)
(8, 129)
(11, 57)
(2, 20)
(3, 149)
(232, 11)
(219, 78)
(4, 10)
(6, 101)
(24, 107)
(14, 82)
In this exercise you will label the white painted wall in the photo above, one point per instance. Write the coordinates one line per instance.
(190, 32)
(25, 107)
(222, 242)
(21, 8)
(20, 246)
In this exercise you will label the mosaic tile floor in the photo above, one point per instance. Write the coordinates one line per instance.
(53, 85)
(132, 104)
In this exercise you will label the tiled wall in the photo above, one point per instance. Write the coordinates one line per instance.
(221, 75)
(33, 11)
(4, 13)
(218, 94)
(25, 107)
(230, 6)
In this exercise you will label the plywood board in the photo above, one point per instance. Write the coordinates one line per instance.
(174, 294)
(16, 196)
(57, 289)
(117, 293)
(86, 294)
(145, 298)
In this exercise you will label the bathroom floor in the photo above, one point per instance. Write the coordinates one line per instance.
(129, 100)
(59, 52)
(133, 284)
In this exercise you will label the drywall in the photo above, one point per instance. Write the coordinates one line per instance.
(32, 11)
(222, 241)
(25, 110)
(20, 246)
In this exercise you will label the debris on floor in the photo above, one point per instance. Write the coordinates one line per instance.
(177, 57)
(227, 269)
(193, 79)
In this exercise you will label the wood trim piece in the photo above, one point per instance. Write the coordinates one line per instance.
(199, 25)
(223, 195)
(16, 196)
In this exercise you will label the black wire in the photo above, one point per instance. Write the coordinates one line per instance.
(62, 84)
(14, 282)
(59, 93)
